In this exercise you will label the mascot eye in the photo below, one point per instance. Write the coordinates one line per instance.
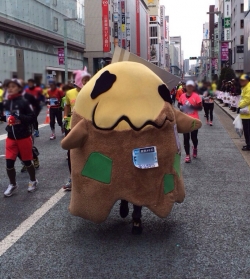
(165, 93)
(103, 84)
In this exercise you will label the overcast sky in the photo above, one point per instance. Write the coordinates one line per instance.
(186, 18)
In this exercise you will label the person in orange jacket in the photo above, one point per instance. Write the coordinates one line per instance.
(180, 91)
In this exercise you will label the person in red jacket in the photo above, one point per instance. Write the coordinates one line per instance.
(55, 112)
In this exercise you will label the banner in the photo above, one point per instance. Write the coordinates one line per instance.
(61, 56)
(105, 26)
(123, 25)
(224, 52)
(138, 31)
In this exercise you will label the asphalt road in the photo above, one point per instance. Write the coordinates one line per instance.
(205, 237)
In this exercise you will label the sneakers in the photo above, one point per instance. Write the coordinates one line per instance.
(53, 136)
(195, 151)
(36, 133)
(137, 227)
(211, 123)
(36, 163)
(124, 209)
(23, 169)
(32, 186)
(246, 148)
(9, 191)
(67, 186)
(188, 159)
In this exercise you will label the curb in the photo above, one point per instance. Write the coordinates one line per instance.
(216, 102)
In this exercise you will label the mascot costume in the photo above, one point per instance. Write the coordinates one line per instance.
(124, 143)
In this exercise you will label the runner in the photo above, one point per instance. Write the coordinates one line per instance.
(55, 113)
(36, 107)
(208, 98)
(81, 78)
(19, 118)
(36, 92)
(180, 91)
(190, 103)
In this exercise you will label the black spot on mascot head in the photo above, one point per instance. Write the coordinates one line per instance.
(165, 93)
(103, 84)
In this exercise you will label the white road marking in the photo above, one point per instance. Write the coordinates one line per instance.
(3, 137)
(2, 155)
(27, 224)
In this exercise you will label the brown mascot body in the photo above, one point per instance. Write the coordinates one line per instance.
(125, 109)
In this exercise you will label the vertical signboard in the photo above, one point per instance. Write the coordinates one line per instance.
(224, 52)
(163, 31)
(227, 20)
(138, 32)
(61, 56)
(116, 20)
(105, 26)
(123, 24)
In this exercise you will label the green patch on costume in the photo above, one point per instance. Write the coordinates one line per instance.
(98, 167)
(168, 183)
(193, 124)
(177, 164)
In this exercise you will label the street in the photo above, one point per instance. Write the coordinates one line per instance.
(207, 236)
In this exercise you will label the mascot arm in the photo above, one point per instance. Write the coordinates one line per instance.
(76, 137)
(185, 123)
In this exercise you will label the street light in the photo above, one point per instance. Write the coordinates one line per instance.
(218, 13)
(66, 47)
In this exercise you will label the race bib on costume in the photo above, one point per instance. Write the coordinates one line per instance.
(145, 158)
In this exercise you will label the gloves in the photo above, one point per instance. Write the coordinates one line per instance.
(11, 120)
(65, 122)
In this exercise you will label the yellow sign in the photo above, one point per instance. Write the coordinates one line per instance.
(151, 2)
(123, 28)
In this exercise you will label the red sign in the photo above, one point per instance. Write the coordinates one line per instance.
(105, 26)
(138, 31)
(224, 52)
(61, 56)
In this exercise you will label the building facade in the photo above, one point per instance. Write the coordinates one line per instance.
(174, 58)
(176, 41)
(247, 43)
(31, 33)
(111, 23)
(155, 31)
(186, 66)
(237, 35)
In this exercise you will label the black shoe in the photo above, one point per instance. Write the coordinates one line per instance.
(124, 210)
(246, 148)
(137, 226)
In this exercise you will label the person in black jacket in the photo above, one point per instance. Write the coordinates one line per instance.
(20, 118)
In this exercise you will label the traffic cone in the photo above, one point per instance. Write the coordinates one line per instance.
(47, 119)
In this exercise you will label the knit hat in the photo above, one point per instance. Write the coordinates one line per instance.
(80, 74)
